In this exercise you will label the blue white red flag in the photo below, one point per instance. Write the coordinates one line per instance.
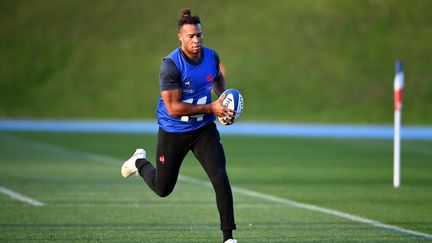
(398, 86)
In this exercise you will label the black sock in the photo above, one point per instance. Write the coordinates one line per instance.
(227, 234)
(139, 163)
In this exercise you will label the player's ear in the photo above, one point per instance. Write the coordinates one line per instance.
(179, 35)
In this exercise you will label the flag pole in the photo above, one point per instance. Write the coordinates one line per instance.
(398, 94)
(396, 151)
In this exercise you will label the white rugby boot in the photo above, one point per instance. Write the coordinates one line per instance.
(128, 168)
(230, 241)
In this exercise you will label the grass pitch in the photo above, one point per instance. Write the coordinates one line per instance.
(77, 177)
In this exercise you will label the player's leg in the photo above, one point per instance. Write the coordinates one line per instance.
(209, 151)
(170, 152)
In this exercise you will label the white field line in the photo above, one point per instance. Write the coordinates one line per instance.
(19, 197)
(311, 207)
(263, 196)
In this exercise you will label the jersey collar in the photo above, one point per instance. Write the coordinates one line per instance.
(191, 61)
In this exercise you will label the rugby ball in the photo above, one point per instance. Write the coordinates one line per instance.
(234, 101)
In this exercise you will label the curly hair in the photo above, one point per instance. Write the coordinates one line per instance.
(187, 18)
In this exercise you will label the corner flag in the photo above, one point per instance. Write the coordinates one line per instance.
(398, 95)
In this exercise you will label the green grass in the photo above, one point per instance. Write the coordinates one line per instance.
(88, 201)
(319, 61)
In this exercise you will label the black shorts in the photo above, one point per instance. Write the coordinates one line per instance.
(173, 147)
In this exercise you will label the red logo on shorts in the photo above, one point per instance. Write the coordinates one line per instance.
(162, 159)
(209, 77)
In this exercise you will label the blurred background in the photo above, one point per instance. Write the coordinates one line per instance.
(327, 61)
(319, 62)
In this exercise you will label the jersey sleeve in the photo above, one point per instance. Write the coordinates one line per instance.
(169, 76)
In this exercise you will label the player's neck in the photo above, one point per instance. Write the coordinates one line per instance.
(193, 56)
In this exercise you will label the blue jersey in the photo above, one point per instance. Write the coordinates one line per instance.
(196, 82)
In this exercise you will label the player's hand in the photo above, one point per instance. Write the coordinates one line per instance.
(220, 110)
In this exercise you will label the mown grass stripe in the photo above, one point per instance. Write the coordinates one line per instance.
(263, 196)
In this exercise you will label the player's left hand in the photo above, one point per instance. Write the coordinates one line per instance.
(220, 110)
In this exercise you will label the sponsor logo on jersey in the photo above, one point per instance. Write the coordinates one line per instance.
(187, 84)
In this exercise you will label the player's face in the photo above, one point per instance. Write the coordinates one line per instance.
(191, 37)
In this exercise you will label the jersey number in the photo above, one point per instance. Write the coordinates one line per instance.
(200, 101)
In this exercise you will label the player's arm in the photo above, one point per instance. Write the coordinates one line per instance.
(175, 107)
(219, 84)
(219, 81)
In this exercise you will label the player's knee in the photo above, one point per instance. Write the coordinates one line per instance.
(220, 178)
(164, 192)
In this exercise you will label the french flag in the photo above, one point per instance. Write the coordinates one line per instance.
(398, 86)
(398, 93)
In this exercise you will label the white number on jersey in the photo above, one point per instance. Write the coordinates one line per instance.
(200, 101)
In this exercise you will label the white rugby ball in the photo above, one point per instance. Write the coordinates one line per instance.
(234, 101)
